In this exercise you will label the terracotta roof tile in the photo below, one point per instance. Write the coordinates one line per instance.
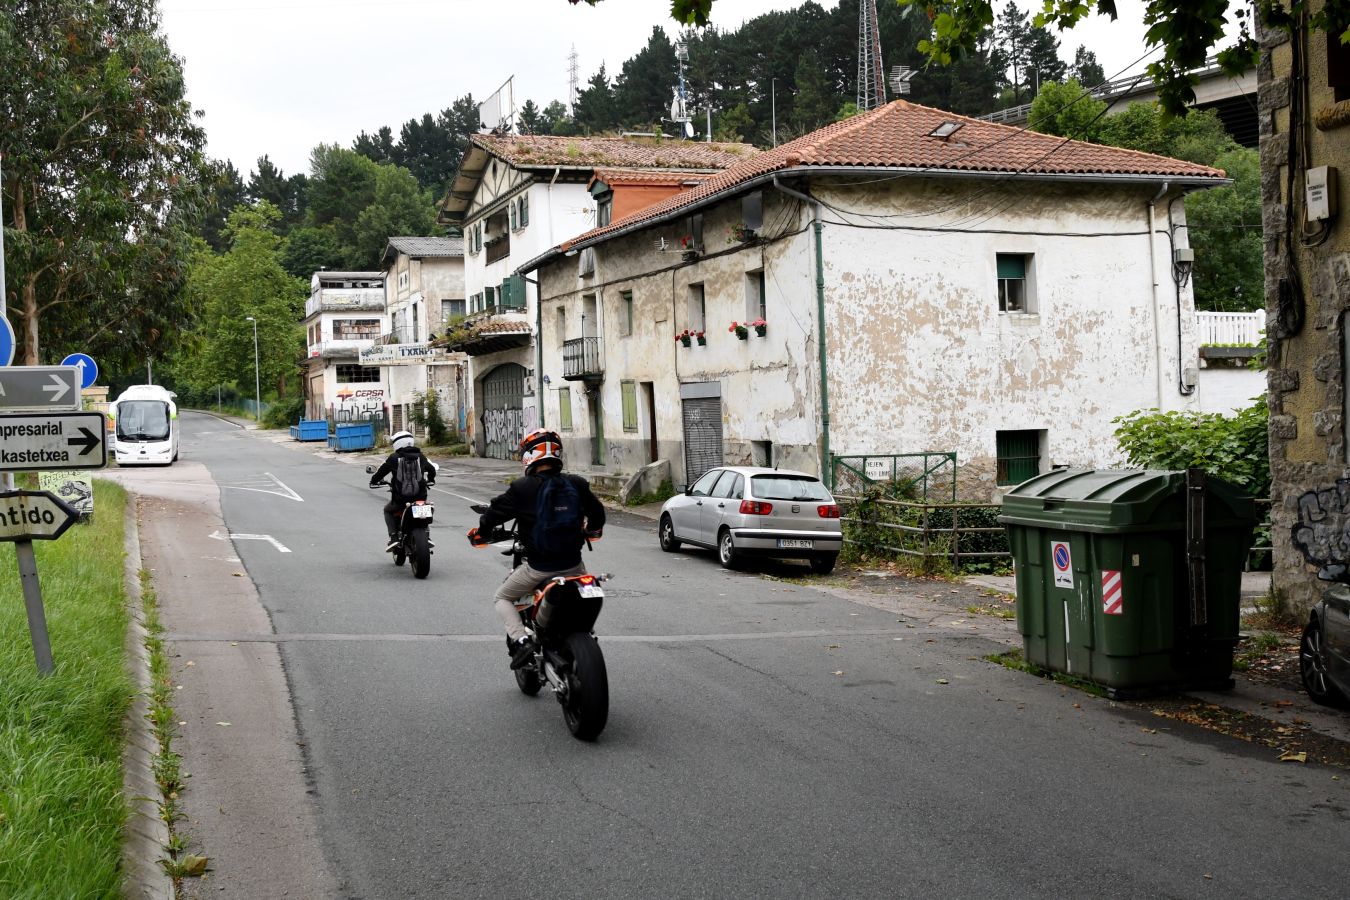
(898, 136)
(538, 151)
(649, 176)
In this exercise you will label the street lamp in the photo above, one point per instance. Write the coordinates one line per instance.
(257, 378)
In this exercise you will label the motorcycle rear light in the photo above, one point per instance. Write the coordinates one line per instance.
(586, 579)
(755, 508)
(828, 511)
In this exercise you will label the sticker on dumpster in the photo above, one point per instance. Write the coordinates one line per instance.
(1059, 553)
(1113, 598)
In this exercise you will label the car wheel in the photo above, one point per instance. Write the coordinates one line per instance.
(666, 534)
(726, 550)
(1312, 667)
(824, 565)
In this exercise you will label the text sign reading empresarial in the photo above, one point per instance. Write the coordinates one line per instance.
(33, 516)
(72, 440)
(40, 387)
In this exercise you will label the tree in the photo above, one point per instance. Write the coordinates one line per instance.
(814, 104)
(557, 120)
(531, 119)
(424, 149)
(642, 90)
(246, 280)
(1086, 69)
(733, 125)
(269, 184)
(378, 147)
(1066, 110)
(309, 249)
(399, 207)
(594, 110)
(226, 190)
(102, 167)
(1225, 232)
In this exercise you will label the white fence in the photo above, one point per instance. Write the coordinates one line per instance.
(1230, 328)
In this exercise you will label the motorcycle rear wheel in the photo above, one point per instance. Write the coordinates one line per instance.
(586, 708)
(421, 553)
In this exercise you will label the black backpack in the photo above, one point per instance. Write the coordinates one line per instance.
(408, 475)
(557, 517)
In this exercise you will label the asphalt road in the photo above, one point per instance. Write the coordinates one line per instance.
(766, 739)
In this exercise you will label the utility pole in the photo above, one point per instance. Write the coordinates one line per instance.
(871, 78)
(773, 107)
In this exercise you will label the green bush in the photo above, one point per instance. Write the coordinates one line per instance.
(1233, 448)
(285, 412)
(871, 530)
(426, 415)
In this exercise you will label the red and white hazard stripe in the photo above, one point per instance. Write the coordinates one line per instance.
(1113, 598)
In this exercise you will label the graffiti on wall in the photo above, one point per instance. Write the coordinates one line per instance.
(1322, 530)
(503, 426)
(357, 404)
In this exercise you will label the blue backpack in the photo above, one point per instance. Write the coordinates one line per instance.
(557, 518)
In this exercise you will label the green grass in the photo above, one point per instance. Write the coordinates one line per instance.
(61, 803)
(1013, 659)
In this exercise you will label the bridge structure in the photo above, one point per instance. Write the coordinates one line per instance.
(1233, 98)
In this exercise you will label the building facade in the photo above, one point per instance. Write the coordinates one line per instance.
(905, 282)
(344, 316)
(515, 196)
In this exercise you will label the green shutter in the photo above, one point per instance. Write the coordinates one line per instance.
(629, 389)
(512, 208)
(1012, 266)
(565, 408)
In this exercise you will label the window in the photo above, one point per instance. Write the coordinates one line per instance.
(697, 309)
(355, 329)
(762, 453)
(562, 326)
(754, 296)
(626, 312)
(1338, 67)
(1019, 455)
(565, 408)
(726, 485)
(1014, 283)
(513, 215)
(604, 211)
(752, 211)
(451, 309)
(489, 298)
(628, 389)
(704, 485)
(524, 210)
(351, 373)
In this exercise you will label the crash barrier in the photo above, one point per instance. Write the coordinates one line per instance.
(310, 430)
(352, 436)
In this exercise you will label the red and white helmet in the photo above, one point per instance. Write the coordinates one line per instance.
(538, 445)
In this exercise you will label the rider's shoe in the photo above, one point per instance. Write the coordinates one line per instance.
(394, 543)
(522, 651)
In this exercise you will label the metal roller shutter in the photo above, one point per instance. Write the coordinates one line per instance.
(702, 436)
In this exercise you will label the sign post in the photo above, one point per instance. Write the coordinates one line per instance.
(26, 516)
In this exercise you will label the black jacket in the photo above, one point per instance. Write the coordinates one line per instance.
(390, 468)
(519, 503)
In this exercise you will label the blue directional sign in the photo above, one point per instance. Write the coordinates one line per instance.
(88, 368)
(6, 342)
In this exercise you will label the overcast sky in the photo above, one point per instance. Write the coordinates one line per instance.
(280, 77)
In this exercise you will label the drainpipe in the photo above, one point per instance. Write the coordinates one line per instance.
(1153, 271)
(826, 474)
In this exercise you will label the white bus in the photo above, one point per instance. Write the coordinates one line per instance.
(144, 422)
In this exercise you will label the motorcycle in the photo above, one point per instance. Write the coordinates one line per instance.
(559, 617)
(414, 538)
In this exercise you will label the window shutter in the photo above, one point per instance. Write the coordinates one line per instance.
(565, 408)
(524, 210)
(512, 211)
(629, 389)
(1012, 266)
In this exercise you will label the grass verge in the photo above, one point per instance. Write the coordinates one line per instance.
(1013, 659)
(61, 804)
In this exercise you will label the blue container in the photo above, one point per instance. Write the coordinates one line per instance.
(352, 436)
(310, 430)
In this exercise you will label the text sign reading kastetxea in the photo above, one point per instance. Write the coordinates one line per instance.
(40, 387)
(72, 440)
(33, 516)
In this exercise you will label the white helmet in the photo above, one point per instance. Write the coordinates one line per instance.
(401, 439)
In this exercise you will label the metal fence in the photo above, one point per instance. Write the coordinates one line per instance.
(959, 536)
(901, 475)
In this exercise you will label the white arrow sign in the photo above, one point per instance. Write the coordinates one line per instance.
(65, 440)
(39, 387)
(33, 515)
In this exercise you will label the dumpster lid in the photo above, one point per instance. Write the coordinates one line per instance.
(1119, 499)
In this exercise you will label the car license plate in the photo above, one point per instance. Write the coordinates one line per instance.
(590, 590)
(421, 512)
(794, 544)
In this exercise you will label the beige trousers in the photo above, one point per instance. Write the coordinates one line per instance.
(521, 583)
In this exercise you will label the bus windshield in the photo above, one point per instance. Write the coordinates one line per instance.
(143, 420)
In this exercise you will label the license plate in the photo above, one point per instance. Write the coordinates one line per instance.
(421, 512)
(590, 590)
(794, 544)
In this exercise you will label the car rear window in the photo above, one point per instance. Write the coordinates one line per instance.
(787, 487)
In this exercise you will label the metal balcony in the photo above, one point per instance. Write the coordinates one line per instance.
(583, 360)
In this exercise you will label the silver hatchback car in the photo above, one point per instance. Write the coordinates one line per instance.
(743, 511)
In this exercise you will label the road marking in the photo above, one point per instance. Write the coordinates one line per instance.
(460, 496)
(271, 489)
(484, 638)
(281, 548)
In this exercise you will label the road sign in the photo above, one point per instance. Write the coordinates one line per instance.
(6, 342)
(69, 440)
(39, 387)
(33, 516)
(88, 368)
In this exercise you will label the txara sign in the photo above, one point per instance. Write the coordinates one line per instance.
(73, 440)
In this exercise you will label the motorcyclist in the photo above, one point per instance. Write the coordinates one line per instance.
(393, 510)
(541, 455)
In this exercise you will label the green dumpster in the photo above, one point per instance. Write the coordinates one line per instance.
(1130, 578)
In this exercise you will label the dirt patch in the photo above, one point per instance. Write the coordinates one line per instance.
(1293, 741)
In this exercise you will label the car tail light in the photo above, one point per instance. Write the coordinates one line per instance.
(755, 508)
(828, 511)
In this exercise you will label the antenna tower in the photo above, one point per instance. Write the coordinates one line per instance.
(871, 74)
(573, 79)
(679, 107)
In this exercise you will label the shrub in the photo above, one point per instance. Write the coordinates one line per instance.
(1233, 448)
(426, 415)
(285, 412)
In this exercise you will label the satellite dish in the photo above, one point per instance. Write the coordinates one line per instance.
(689, 130)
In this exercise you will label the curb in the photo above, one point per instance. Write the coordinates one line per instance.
(146, 834)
